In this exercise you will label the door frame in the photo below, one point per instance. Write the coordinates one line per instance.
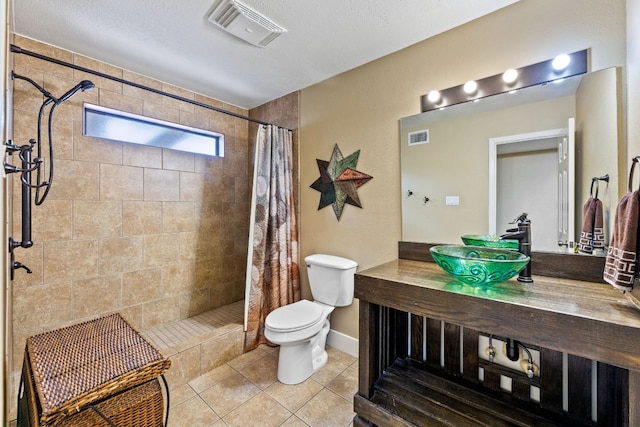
(493, 164)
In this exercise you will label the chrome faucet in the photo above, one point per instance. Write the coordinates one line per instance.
(523, 235)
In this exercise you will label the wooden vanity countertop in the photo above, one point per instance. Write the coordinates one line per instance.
(587, 319)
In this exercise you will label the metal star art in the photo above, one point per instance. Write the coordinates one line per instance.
(339, 181)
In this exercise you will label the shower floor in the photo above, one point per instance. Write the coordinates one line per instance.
(200, 343)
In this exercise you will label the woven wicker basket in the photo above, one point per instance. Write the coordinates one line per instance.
(104, 363)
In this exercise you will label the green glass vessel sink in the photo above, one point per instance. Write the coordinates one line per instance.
(479, 265)
(489, 240)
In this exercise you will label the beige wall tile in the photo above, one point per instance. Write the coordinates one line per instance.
(223, 293)
(24, 126)
(177, 160)
(210, 214)
(208, 164)
(161, 112)
(120, 182)
(177, 278)
(194, 302)
(39, 306)
(188, 246)
(93, 220)
(161, 185)
(219, 350)
(208, 272)
(52, 223)
(208, 101)
(174, 103)
(210, 246)
(160, 249)
(39, 65)
(70, 259)
(178, 217)
(235, 163)
(142, 285)
(234, 267)
(100, 295)
(65, 117)
(236, 215)
(133, 315)
(98, 66)
(191, 186)
(120, 254)
(26, 97)
(185, 366)
(141, 218)
(135, 92)
(220, 188)
(158, 312)
(197, 119)
(141, 155)
(118, 101)
(75, 181)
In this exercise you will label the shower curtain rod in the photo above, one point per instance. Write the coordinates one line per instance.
(17, 49)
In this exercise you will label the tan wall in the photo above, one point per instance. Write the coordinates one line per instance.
(156, 234)
(360, 109)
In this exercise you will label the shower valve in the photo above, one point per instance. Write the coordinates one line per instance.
(18, 264)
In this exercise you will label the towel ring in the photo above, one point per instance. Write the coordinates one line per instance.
(633, 168)
(594, 181)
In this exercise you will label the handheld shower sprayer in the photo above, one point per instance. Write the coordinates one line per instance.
(83, 85)
(38, 161)
(30, 163)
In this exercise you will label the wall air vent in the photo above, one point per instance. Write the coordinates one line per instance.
(418, 137)
(245, 23)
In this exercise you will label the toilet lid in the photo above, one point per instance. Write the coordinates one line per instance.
(294, 317)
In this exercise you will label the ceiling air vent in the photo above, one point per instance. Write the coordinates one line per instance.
(419, 137)
(245, 23)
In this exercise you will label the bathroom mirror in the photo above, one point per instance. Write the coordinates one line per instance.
(445, 157)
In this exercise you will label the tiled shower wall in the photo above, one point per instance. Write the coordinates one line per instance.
(155, 234)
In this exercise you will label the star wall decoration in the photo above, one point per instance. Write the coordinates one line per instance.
(339, 181)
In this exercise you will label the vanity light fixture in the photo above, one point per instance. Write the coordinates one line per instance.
(560, 67)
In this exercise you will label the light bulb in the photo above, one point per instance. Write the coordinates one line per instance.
(434, 96)
(561, 62)
(470, 87)
(510, 76)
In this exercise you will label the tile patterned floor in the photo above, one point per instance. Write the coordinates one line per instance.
(246, 392)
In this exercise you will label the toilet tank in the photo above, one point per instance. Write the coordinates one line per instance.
(331, 279)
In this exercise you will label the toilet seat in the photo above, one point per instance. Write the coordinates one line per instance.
(294, 317)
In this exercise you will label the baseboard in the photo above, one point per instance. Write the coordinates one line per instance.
(343, 342)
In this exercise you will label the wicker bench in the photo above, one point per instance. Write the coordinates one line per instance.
(96, 373)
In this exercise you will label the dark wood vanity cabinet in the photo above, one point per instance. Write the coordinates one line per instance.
(419, 362)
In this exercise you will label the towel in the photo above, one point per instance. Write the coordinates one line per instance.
(592, 234)
(620, 268)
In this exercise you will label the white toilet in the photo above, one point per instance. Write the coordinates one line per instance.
(301, 328)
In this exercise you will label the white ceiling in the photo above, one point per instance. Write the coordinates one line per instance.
(172, 41)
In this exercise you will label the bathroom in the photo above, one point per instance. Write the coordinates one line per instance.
(341, 110)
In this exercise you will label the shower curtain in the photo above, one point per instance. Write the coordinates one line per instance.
(273, 277)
